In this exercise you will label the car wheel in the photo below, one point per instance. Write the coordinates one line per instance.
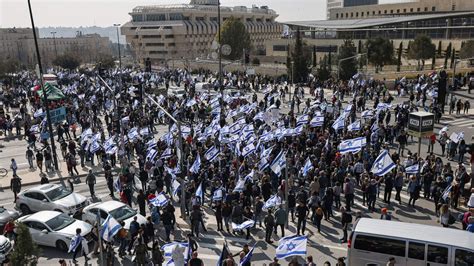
(24, 209)
(61, 245)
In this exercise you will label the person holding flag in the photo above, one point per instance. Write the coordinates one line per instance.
(78, 244)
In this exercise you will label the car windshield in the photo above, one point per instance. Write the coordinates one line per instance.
(122, 213)
(59, 222)
(58, 193)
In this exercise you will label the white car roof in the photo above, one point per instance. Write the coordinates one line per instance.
(44, 188)
(42, 216)
(109, 205)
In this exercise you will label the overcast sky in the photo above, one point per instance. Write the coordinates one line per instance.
(75, 13)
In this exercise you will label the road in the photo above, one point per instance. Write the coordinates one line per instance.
(324, 246)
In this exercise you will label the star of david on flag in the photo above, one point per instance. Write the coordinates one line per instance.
(383, 164)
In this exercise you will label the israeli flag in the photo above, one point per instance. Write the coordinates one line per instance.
(39, 113)
(248, 257)
(279, 163)
(317, 121)
(242, 226)
(383, 106)
(356, 126)
(196, 165)
(347, 110)
(133, 134)
(267, 137)
(259, 116)
(263, 164)
(249, 149)
(169, 248)
(383, 164)
(160, 200)
(199, 193)
(175, 186)
(94, 147)
(191, 102)
(298, 130)
(302, 120)
(111, 150)
(307, 167)
(117, 185)
(414, 169)
(110, 227)
(167, 153)
(266, 152)
(352, 145)
(249, 177)
(445, 195)
(144, 132)
(239, 187)
(375, 126)
(151, 155)
(339, 123)
(109, 142)
(367, 114)
(211, 154)
(218, 194)
(273, 201)
(444, 129)
(291, 246)
(34, 129)
(75, 241)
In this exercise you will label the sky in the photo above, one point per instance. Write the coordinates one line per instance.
(102, 13)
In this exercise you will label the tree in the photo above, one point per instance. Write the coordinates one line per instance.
(447, 55)
(453, 57)
(25, 252)
(467, 50)
(439, 48)
(421, 49)
(106, 61)
(234, 34)
(399, 58)
(67, 61)
(255, 61)
(380, 52)
(433, 61)
(301, 59)
(9, 66)
(347, 68)
(314, 55)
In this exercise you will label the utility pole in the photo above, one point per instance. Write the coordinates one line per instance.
(45, 96)
(54, 41)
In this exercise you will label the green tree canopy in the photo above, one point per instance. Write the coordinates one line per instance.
(106, 61)
(421, 49)
(301, 57)
(234, 33)
(25, 252)
(67, 61)
(380, 51)
(347, 67)
(9, 66)
(467, 51)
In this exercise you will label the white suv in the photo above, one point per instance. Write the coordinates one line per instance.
(50, 197)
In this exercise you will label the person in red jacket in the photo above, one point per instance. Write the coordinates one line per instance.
(9, 230)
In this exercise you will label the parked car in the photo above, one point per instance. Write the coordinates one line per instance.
(50, 197)
(55, 229)
(118, 210)
(7, 215)
(6, 248)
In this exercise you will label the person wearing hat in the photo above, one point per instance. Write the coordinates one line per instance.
(385, 215)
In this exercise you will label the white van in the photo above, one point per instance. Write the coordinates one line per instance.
(373, 242)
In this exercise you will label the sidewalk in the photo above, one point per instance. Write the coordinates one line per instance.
(33, 176)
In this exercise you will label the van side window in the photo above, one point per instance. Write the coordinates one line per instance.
(464, 258)
(416, 251)
(437, 254)
(380, 245)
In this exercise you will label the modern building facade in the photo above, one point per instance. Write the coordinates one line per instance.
(18, 43)
(172, 32)
(333, 4)
(348, 3)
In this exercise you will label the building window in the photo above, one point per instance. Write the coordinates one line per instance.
(385, 12)
(433, 8)
(151, 36)
(171, 44)
(453, 8)
(347, 15)
(279, 48)
(411, 9)
(426, 9)
(155, 17)
(362, 14)
(137, 18)
(398, 11)
(176, 16)
(337, 16)
(357, 14)
(368, 13)
(373, 13)
(418, 9)
(391, 11)
(213, 18)
(154, 44)
(352, 14)
(404, 10)
(380, 12)
(169, 36)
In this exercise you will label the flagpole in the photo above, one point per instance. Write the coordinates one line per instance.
(286, 194)
(101, 258)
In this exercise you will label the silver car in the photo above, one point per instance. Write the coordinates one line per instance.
(50, 197)
(6, 216)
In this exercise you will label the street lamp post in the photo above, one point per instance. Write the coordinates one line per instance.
(54, 41)
(219, 41)
(118, 45)
(45, 97)
(345, 59)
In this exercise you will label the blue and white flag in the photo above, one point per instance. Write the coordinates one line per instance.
(218, 194)
(273, 201)
(211, 154)
(199, 193)
(375, 126)
(291, 246)
(317, 121)
(414, 169)
(383, 164)
(248, 257)
(144, 131)
(111, 150)
(39, 113)
(367, 114)
(307, 167)
(266, 152)
(457, 137)
(242, 226)
(263, 164)
(249, 149)
(117, 184)
(249, 177)
(240, 186)
(160, 200)
(133, 134)
(177, 248)
(446, 192)
(298, 130)
(196, 165)
(151, 155)
(352, 145)
(110, 227)
(383, 106)
(347, 111)
(279, 163)
(175, 186)
(75, 241)
(356, 126)
(94, 147)
(302, 120)
(34, 129)
(339, 123)
(444, 129)
(167, 153)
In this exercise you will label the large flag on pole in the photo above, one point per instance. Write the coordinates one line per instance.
(110, 227)
(196, 165)
(352, 145)
(383, 164)
(291, 246)
(248, 257)
(224, 254)
(279, 163)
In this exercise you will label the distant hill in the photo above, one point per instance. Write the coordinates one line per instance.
(110, 32)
